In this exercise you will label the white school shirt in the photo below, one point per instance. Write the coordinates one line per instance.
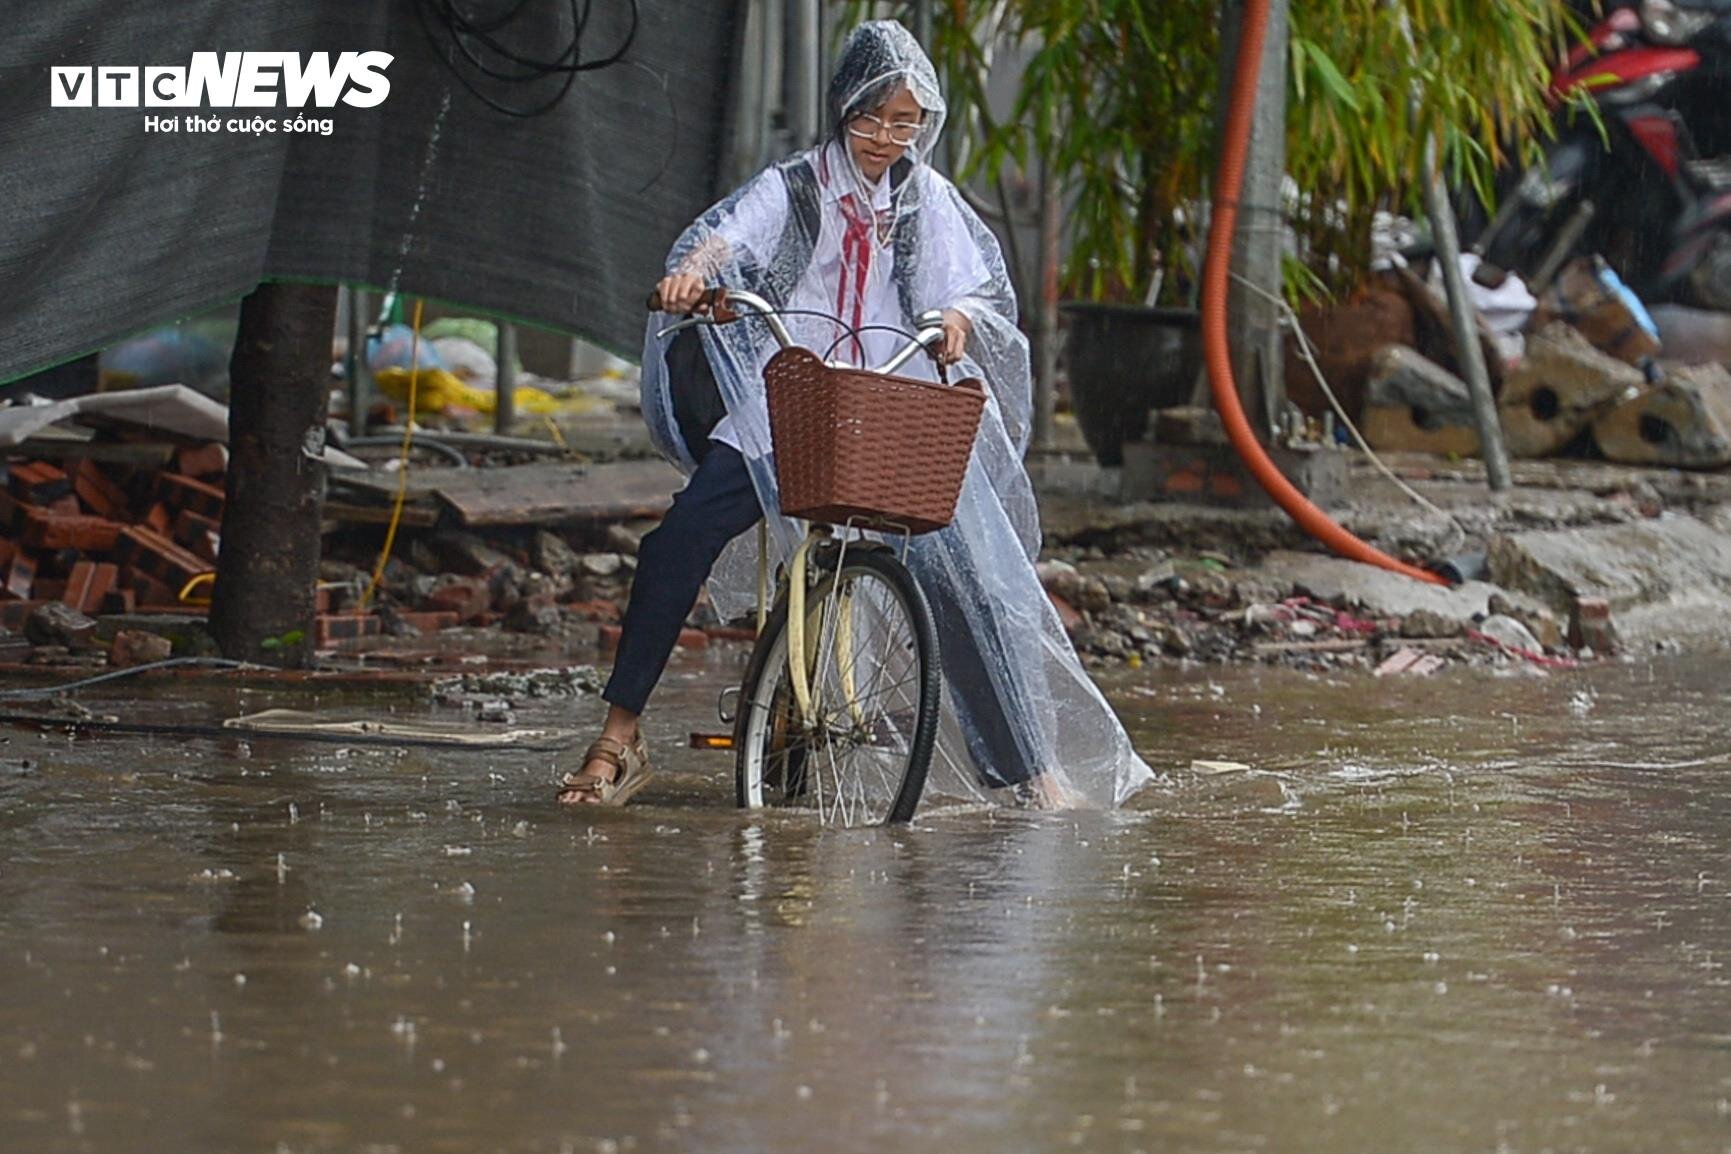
(865, 297)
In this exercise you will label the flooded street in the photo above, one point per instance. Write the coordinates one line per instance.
(1478, 912)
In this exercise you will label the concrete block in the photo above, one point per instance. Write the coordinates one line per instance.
(1561, 386)
(1213, 475)
(1668, 576)
(1414, 404)
(1684, 422)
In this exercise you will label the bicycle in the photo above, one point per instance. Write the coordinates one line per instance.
(838, 709)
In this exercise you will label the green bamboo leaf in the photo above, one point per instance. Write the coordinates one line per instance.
(1330, 75)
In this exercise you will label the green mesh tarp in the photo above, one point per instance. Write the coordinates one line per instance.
(560, 220)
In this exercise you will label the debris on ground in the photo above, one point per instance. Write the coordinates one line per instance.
(481, 691)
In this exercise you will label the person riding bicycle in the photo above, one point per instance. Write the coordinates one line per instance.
(852, 240)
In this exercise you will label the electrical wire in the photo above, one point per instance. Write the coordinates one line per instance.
(474, 38)
(402, 463)
(1223, 221)
(129, 671)
(855, 334)
(1307, 353)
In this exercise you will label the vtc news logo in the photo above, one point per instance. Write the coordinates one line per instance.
(230, 80)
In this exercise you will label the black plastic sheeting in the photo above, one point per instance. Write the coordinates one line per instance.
(560, 220)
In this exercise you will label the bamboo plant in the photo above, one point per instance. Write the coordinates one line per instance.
(1119, 97)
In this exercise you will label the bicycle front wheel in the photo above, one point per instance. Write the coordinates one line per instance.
(858, 754)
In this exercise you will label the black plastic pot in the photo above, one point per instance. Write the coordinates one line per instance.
(1126, 361)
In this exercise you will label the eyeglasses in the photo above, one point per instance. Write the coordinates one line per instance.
(867, 127)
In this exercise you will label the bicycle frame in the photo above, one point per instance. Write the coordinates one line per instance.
(795, 578)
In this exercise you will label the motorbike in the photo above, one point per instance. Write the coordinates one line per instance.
(1645, 183)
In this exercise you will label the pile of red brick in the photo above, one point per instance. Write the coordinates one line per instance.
(106, 539)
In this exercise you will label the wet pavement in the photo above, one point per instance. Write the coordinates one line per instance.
(1477, 912)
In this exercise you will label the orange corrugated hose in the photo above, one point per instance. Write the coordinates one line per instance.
(1228, 184)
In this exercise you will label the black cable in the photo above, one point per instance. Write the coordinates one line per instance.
(868, 329)
(580, 20)
(115, 675)
(463, 33)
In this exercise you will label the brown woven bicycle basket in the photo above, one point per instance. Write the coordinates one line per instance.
(889, 451)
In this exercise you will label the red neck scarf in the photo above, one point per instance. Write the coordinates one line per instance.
(856, 263)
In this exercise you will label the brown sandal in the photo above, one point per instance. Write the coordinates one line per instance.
(632, 773)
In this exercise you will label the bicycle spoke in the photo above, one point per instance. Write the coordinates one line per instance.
(848, 762)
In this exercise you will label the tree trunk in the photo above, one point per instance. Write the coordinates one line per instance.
(267, 573)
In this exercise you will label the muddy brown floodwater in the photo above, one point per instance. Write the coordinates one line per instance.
(1478, 912)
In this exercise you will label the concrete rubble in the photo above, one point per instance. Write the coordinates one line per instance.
(1581, 561)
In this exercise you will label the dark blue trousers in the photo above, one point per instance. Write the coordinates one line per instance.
(719, 503)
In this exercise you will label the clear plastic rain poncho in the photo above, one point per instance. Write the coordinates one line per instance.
(934, 252)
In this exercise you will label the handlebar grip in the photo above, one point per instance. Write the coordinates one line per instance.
(711, 299)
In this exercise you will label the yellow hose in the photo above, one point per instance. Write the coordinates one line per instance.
(403, 463)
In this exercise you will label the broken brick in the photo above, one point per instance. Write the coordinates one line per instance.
(49, 589)
(1591, 627)
(96, 491)
(148, 592)
(37, 482)
(430, 622)
(152, 553)
(160, 518)
(136, 647)
(330, 628)
(199, 534)
(201, 461)
(76, 531)
(180, 493)
(467, 597)
(89, 585)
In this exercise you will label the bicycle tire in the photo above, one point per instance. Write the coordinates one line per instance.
(764, 697)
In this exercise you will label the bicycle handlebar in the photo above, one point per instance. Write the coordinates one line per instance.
(719, 305)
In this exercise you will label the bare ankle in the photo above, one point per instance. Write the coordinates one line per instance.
(621, 724)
